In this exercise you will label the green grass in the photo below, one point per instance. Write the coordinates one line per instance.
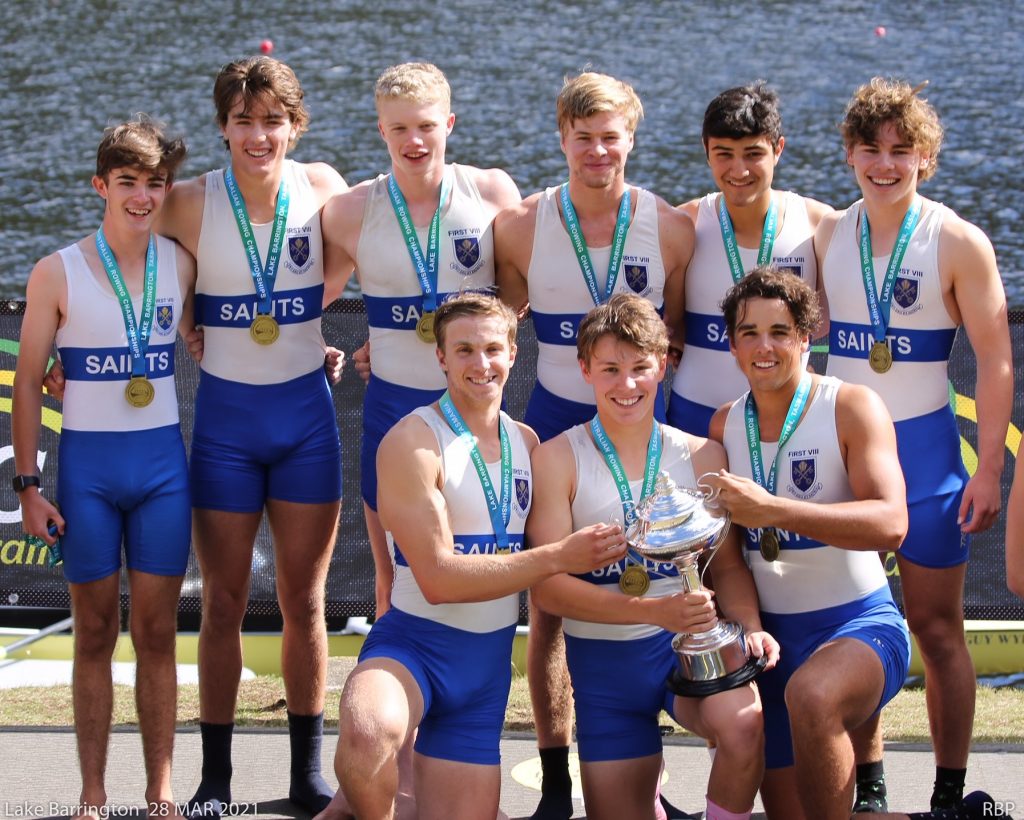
(261, 703)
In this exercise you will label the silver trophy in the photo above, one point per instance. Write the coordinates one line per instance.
(677, 526)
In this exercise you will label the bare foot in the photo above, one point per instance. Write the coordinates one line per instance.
(337, 809)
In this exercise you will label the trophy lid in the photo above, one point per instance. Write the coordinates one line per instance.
(674, 521)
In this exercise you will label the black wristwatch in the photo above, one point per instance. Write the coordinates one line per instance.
(23, 482)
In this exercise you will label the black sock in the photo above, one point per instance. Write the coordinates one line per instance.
(949, 788)
(216, 780)
(556, 785)
(871, 793)
(672, 813)
(308, 788)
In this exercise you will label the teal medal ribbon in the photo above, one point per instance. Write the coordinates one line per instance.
(500, 511)
(880, 304)
(425, 266)
(732, 251)
(651, 468)
(769, 538)
(136, 332)
(263, 276)
(579, 244)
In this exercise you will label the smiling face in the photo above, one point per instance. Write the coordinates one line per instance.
(625, 379)
(596, 149)
(743, 168)
(133, 196)
(767, 344)
(477, 356)
(259, 136)
(415, 133)
(888, 167)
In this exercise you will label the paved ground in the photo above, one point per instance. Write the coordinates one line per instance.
(39, 777)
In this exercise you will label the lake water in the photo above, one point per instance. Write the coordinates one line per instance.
(70, 68)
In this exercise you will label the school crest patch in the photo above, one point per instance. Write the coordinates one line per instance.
(905, 291)
(299, 253)
(792, 267)
(523, 494)
(164, 323)
(467, 251)
(803, 472)
(636, 277)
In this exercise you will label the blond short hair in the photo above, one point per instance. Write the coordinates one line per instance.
(592, 93)
(881, 101)
(419, 82)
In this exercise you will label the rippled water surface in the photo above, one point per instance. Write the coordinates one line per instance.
(70, 68)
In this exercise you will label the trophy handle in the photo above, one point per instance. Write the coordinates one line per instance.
(710, 493)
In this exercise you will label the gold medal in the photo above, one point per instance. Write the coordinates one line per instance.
(425, 328)
(139, 392)
(264, 329)
(635, 581)
(769, 545)
(880, 357)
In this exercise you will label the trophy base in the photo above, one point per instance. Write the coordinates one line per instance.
(686, 688)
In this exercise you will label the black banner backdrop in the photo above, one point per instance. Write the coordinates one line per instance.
(26, 580)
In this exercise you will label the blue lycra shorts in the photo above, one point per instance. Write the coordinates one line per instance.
(258, 441)
(123, 487)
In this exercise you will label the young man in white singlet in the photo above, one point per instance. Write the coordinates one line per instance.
(364, 228)
(112, 303)
(744, 223)
(562, 251)
(929, 272)
(254, 229)
(619, 635)
(458, 489)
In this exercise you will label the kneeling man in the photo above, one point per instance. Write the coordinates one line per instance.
(816, 481)
(618, 636)
(454, 483)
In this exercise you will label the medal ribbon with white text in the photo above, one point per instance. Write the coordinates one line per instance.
(651, 467)
(732, 251)
(426, 268)
(579, 244)
(753, 428)
(136, 332)
(500, 511)
(263, 276)
(880, 305)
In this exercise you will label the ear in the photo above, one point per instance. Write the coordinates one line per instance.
(585, 370)
(512, 354)
(849, 157)
(805, 344)
(451, 124)
(380, 130)
(778, 149)
(440, 360)
(99, 185)
(662, 367)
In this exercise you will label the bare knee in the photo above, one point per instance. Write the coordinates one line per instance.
(153, 633)
(810, 702)
(223, 606)
(370, 730)
(743, 735)
(303, 610)
(96, 633)
(937, 636)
